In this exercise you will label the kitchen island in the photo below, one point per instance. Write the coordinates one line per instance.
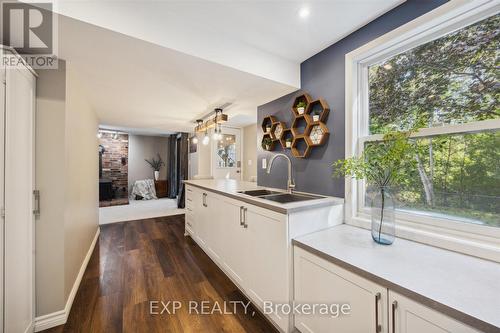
(250, 237)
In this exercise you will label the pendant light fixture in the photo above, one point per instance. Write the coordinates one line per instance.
(195, 140)
(206, 139)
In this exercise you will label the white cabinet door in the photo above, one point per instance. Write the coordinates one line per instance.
(19, 184)
(236, 258)
(213, 226)
(407, 316)
(318, 281)
(268, 278)
(190, 211)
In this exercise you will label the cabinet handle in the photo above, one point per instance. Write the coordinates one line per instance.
(36, 196)
(205, 200)
(394, 307)
(245, 225)
(378, 327)
(242, 216)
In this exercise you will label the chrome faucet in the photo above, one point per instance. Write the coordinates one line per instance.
(290, 183)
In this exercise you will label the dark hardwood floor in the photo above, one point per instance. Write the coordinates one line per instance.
(136, 262)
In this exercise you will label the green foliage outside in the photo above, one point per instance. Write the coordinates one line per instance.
(451, 80)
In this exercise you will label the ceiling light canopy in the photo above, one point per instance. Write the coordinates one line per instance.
(304, 12)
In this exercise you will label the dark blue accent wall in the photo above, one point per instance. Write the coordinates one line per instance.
(323, 75)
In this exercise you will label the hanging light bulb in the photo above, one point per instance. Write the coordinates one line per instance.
(206, 139)
(194, 140)
(215, 135)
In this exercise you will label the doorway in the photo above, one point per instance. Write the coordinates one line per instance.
(227, 154)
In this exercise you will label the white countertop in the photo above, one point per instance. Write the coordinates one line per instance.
(231, 187)
(461, 286)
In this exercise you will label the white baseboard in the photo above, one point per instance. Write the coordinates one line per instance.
(60, 317)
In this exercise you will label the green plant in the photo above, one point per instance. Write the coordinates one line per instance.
(266, 142)
(301, 104)
(382, 163)
(156, 164)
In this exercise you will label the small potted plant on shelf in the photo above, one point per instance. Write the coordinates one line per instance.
(266, 143)
(288, 142)
(156, 165)
(268, 128)
(315, 114)
(301, 107)
(382, 165)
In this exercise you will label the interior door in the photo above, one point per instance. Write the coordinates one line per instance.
(19, 186)
(227, 154)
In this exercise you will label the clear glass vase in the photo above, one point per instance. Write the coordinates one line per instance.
(383, 222)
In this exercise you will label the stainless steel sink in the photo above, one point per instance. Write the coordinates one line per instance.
(258, 193)
(289, 197)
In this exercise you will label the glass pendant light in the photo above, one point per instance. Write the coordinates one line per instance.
(195, 140)
(206, 139)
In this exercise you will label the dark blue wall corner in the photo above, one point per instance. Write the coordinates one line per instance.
(323, 76)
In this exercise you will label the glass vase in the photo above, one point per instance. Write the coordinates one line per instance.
(383, 222)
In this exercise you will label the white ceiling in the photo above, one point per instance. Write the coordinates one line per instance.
(162, 64)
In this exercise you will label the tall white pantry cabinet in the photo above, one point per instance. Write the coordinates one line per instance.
(17, 195)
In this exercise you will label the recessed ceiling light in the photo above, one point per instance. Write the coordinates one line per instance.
(304, 12)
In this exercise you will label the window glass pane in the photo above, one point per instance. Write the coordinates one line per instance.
(453, 79)
(226, 151)
(461, 174)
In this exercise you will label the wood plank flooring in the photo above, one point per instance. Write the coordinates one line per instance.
(136, 262)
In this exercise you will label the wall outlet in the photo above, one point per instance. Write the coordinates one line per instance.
(264, 163)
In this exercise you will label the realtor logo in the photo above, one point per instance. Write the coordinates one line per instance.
(29, 29)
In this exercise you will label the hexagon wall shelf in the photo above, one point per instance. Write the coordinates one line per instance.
(317, 133)
(277, 130)
(287, 135)
(301, 98)
(308, 128)
(301, 148)
(267, 123)
(272, 144)
(299, 125)
(318, 109)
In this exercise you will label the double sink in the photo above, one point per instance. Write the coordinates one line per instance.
(280, 197)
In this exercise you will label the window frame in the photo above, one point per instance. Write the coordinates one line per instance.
(478, 240)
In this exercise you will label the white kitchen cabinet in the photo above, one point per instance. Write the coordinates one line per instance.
(236, 241)
(408, 316)
(268, 280)
(317, 281)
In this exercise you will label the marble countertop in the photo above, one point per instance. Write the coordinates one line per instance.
(231, 187)
(463, 287)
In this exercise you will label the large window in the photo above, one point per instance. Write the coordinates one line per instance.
(438, 75)
(449, 87)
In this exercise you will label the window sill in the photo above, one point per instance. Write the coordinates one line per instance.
(457, 241)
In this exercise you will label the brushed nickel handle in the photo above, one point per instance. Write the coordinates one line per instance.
(205, 200)
(242, 216)
(245, 217)
(36, 195)
(378, 327)
(394, 307)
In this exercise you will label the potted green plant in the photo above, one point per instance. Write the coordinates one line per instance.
(156, 165)
(288, 142)
(382, 166)
(268, 128)
(315, 114)
(301, 107)
(266, 143)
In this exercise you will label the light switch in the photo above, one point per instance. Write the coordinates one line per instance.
(264, 163)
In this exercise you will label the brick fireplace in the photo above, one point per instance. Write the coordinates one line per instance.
(115, 162)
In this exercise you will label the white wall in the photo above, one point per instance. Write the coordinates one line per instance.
(249, 160)
(82, 178)
(67, 175)
(142, 147)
